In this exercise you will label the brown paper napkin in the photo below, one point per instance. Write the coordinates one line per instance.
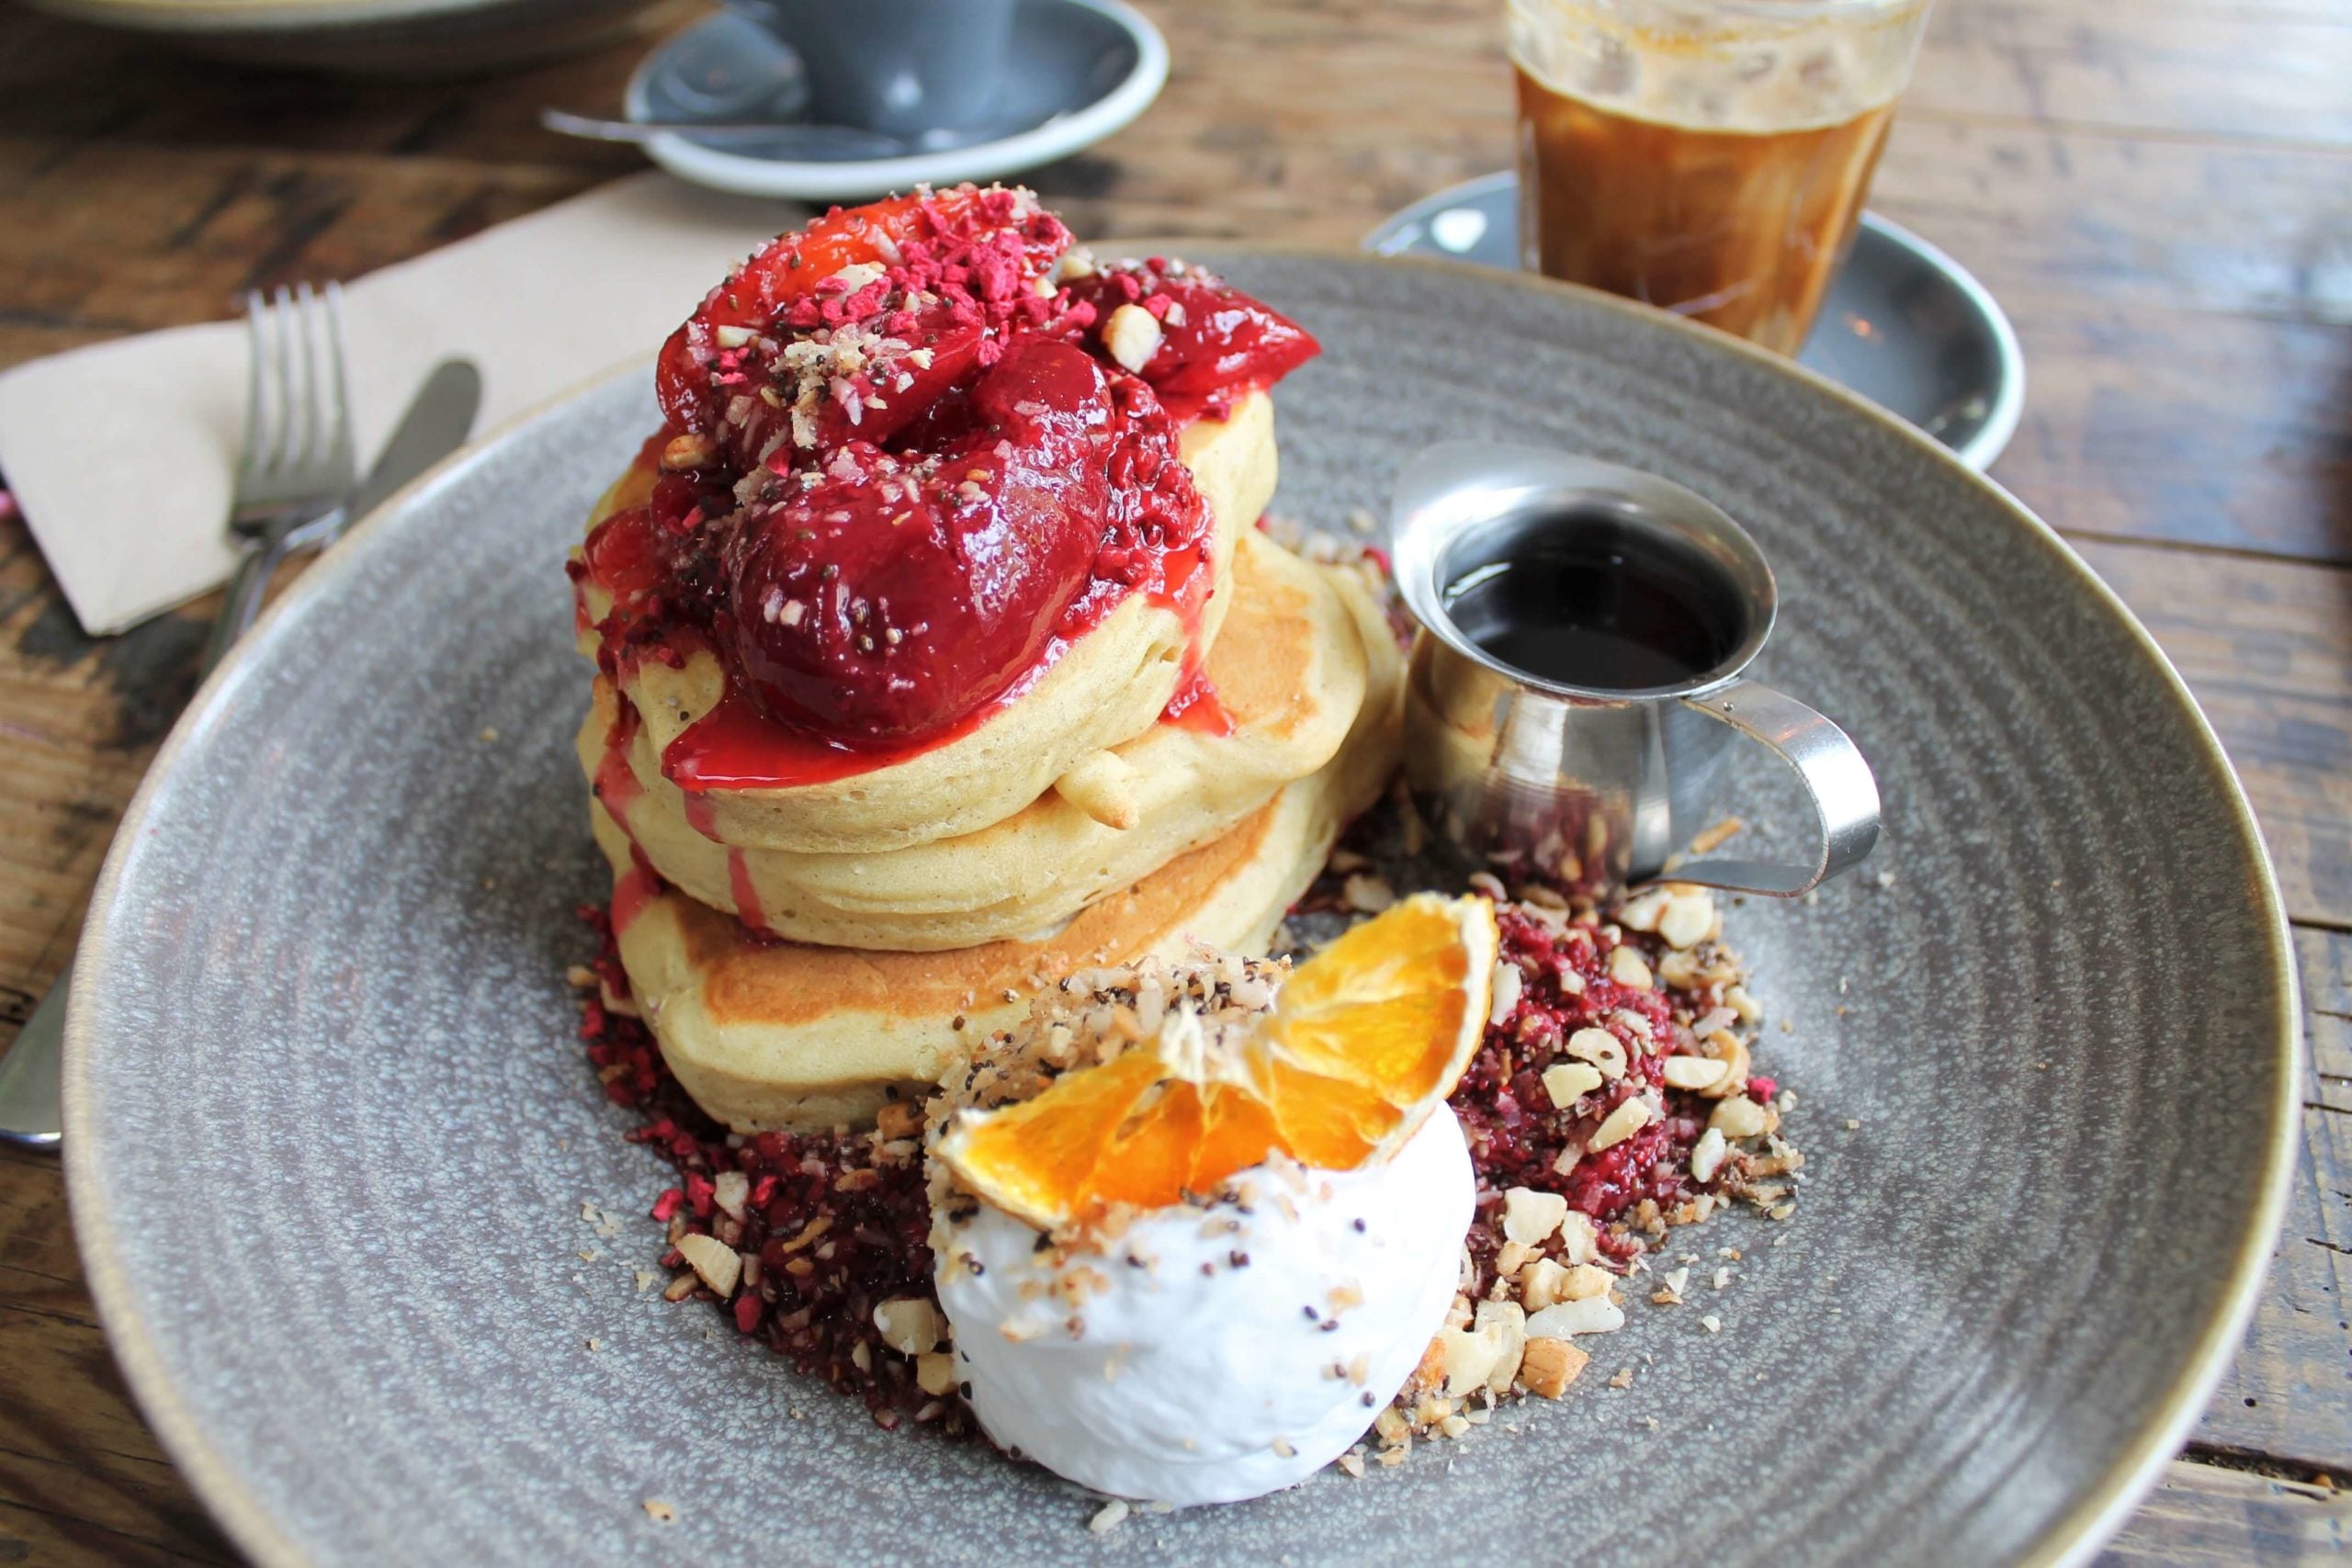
(121, 454)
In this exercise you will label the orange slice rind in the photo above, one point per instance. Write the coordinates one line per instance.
(1363, 1042)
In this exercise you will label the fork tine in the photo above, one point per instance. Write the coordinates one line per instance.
(251, 450)
(340, 442)
(282, 312)
(304, 457)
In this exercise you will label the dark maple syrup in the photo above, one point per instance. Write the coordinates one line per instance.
(1591, 603)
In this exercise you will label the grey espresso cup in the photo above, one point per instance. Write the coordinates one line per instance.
(902, 67)
(1580, 674)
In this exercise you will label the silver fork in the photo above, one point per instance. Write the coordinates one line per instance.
(296, 467)
(297, 461)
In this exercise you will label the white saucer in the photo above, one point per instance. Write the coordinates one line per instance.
(1076, 71)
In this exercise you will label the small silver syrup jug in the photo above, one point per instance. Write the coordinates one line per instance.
(1591, 786)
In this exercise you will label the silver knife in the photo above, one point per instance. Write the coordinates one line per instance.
(435, 423)
(438, 420)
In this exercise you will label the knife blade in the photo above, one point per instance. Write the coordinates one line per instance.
(439, 419)
(435, 423)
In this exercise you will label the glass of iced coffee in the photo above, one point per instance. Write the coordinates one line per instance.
(1709, 157)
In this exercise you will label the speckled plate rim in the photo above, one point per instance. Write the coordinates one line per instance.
(802, 181)
(2096, 1515)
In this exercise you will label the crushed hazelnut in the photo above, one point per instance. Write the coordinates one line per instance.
(1738, 1117)
(1629, 969)
(1567, 1082)
(1548, 1366)
(1630, 1117)
(910, 1324)
(1530, 1217)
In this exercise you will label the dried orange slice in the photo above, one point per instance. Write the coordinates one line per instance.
(1364, 1041)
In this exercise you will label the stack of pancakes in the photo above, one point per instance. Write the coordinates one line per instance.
(800, 953)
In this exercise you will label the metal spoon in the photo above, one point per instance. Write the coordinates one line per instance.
(831, 143)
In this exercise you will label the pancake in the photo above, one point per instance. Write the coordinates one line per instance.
(1289, 670)
(1108, 686)
(778, 1034)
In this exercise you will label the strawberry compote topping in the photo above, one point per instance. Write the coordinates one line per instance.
(907, 459)
(1210, 339)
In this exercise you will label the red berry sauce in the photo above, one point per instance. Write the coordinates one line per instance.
(902, 469)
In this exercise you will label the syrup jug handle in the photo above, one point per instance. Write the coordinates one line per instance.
(1835, 778)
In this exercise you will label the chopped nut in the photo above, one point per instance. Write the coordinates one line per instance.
(1131, 336)
(1548, 1366)
(660, 1513)
(1113, 1513)
(1642, 912)
(1629, 969)
(1600, 1048)
(1594, 1314)
(1694, 1072)
(1707, 1153)
(1731, 1051)
(909, 1325)
(1507, 1324)
(935, 1373)
(1511, 1258)
(1688, 919)
(1739, 1117)
(1630, 1117)
(728, 1190)
(1509, 983)
(1712, 839)
(1366, 894)
(1737, 999)
(1579, 1238)
(1540, 1283)
(899, 1119)
(1582, 1281)
(1567, 1082)
(1530, 1217)
(691, 450)
(717, 1264)
(1470, 1358)
(1103, 786)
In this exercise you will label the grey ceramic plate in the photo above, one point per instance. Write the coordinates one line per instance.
(1905, 324)
(329, 1133)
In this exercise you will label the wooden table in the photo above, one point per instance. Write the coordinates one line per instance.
(2160, 192)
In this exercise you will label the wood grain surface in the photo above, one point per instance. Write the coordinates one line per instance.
(2160, 193)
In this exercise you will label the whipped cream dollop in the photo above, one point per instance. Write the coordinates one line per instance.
(1215, 1353)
